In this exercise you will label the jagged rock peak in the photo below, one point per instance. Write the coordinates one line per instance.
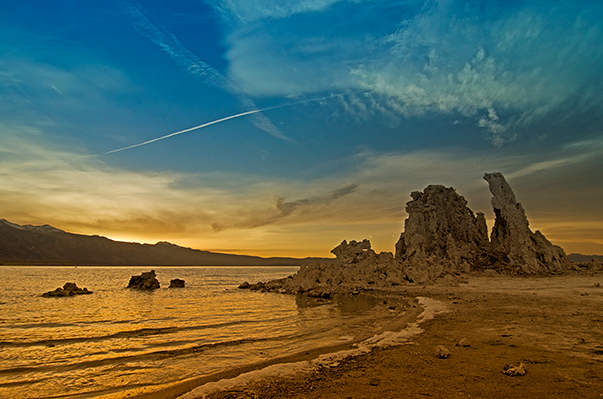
(353, 252)
(528, 252)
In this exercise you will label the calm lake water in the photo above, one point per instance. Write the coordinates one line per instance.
(118, 338)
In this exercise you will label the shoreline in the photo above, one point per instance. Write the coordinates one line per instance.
(401, 329)
(554, 325)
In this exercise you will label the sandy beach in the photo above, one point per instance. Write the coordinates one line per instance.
(553, 325)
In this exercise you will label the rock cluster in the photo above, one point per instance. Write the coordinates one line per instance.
(441, 232)
(69, 289)
(357, 267)
(146, 281)
(442, 240)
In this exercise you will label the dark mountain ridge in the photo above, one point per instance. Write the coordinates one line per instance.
(46, 245)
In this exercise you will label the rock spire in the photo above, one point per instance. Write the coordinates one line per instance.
(526, 252)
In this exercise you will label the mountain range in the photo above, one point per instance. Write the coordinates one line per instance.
(47, 245)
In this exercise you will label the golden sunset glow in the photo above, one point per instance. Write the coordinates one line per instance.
(249, 133)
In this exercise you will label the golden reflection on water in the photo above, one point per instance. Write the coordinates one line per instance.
(118, 337)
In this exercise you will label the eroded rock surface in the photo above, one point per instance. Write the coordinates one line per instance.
(146, 281)
(357, 267)
(593, 266)
(69, 289)
(442, 232)
(527, 252)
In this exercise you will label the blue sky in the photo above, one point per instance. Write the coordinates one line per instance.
(364, 102)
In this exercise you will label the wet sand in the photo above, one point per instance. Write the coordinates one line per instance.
(553, 325)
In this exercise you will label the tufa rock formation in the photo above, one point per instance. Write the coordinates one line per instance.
(146, 281)
(69, 289)
(356, 268)
(442, 239)
(441, 231)
(528, 252)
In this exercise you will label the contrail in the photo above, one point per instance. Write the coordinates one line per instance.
(191, 129)
(183, 57)
(255, 111)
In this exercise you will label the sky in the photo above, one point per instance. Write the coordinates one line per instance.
(282, 127)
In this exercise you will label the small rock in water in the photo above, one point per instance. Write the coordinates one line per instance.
(146, 281)
(176, 283)
(514, 371)
(69, 289)
(442, 352)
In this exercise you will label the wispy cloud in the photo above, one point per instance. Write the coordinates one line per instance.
(449, 59)
(251, 10)
(493, 65)
(183, 57)
(37, 91)
(42, 183)
(282, 209)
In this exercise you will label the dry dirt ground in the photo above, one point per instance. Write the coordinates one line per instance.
(553, 325)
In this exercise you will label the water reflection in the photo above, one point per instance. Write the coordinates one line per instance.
(119, 337)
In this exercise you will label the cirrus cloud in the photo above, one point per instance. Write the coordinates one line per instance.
(489, 62)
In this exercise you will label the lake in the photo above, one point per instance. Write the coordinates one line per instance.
(118, 338)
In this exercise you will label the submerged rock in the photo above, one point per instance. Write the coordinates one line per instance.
(146, 281)
(69, 289)
(177, 283)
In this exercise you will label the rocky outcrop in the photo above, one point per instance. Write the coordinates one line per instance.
(442, 232)
(146, 281)
(442, 239)
(526, 252)
(594, 265)
(356, 268)
(443, 235)
(177, 283)
(69, 289)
